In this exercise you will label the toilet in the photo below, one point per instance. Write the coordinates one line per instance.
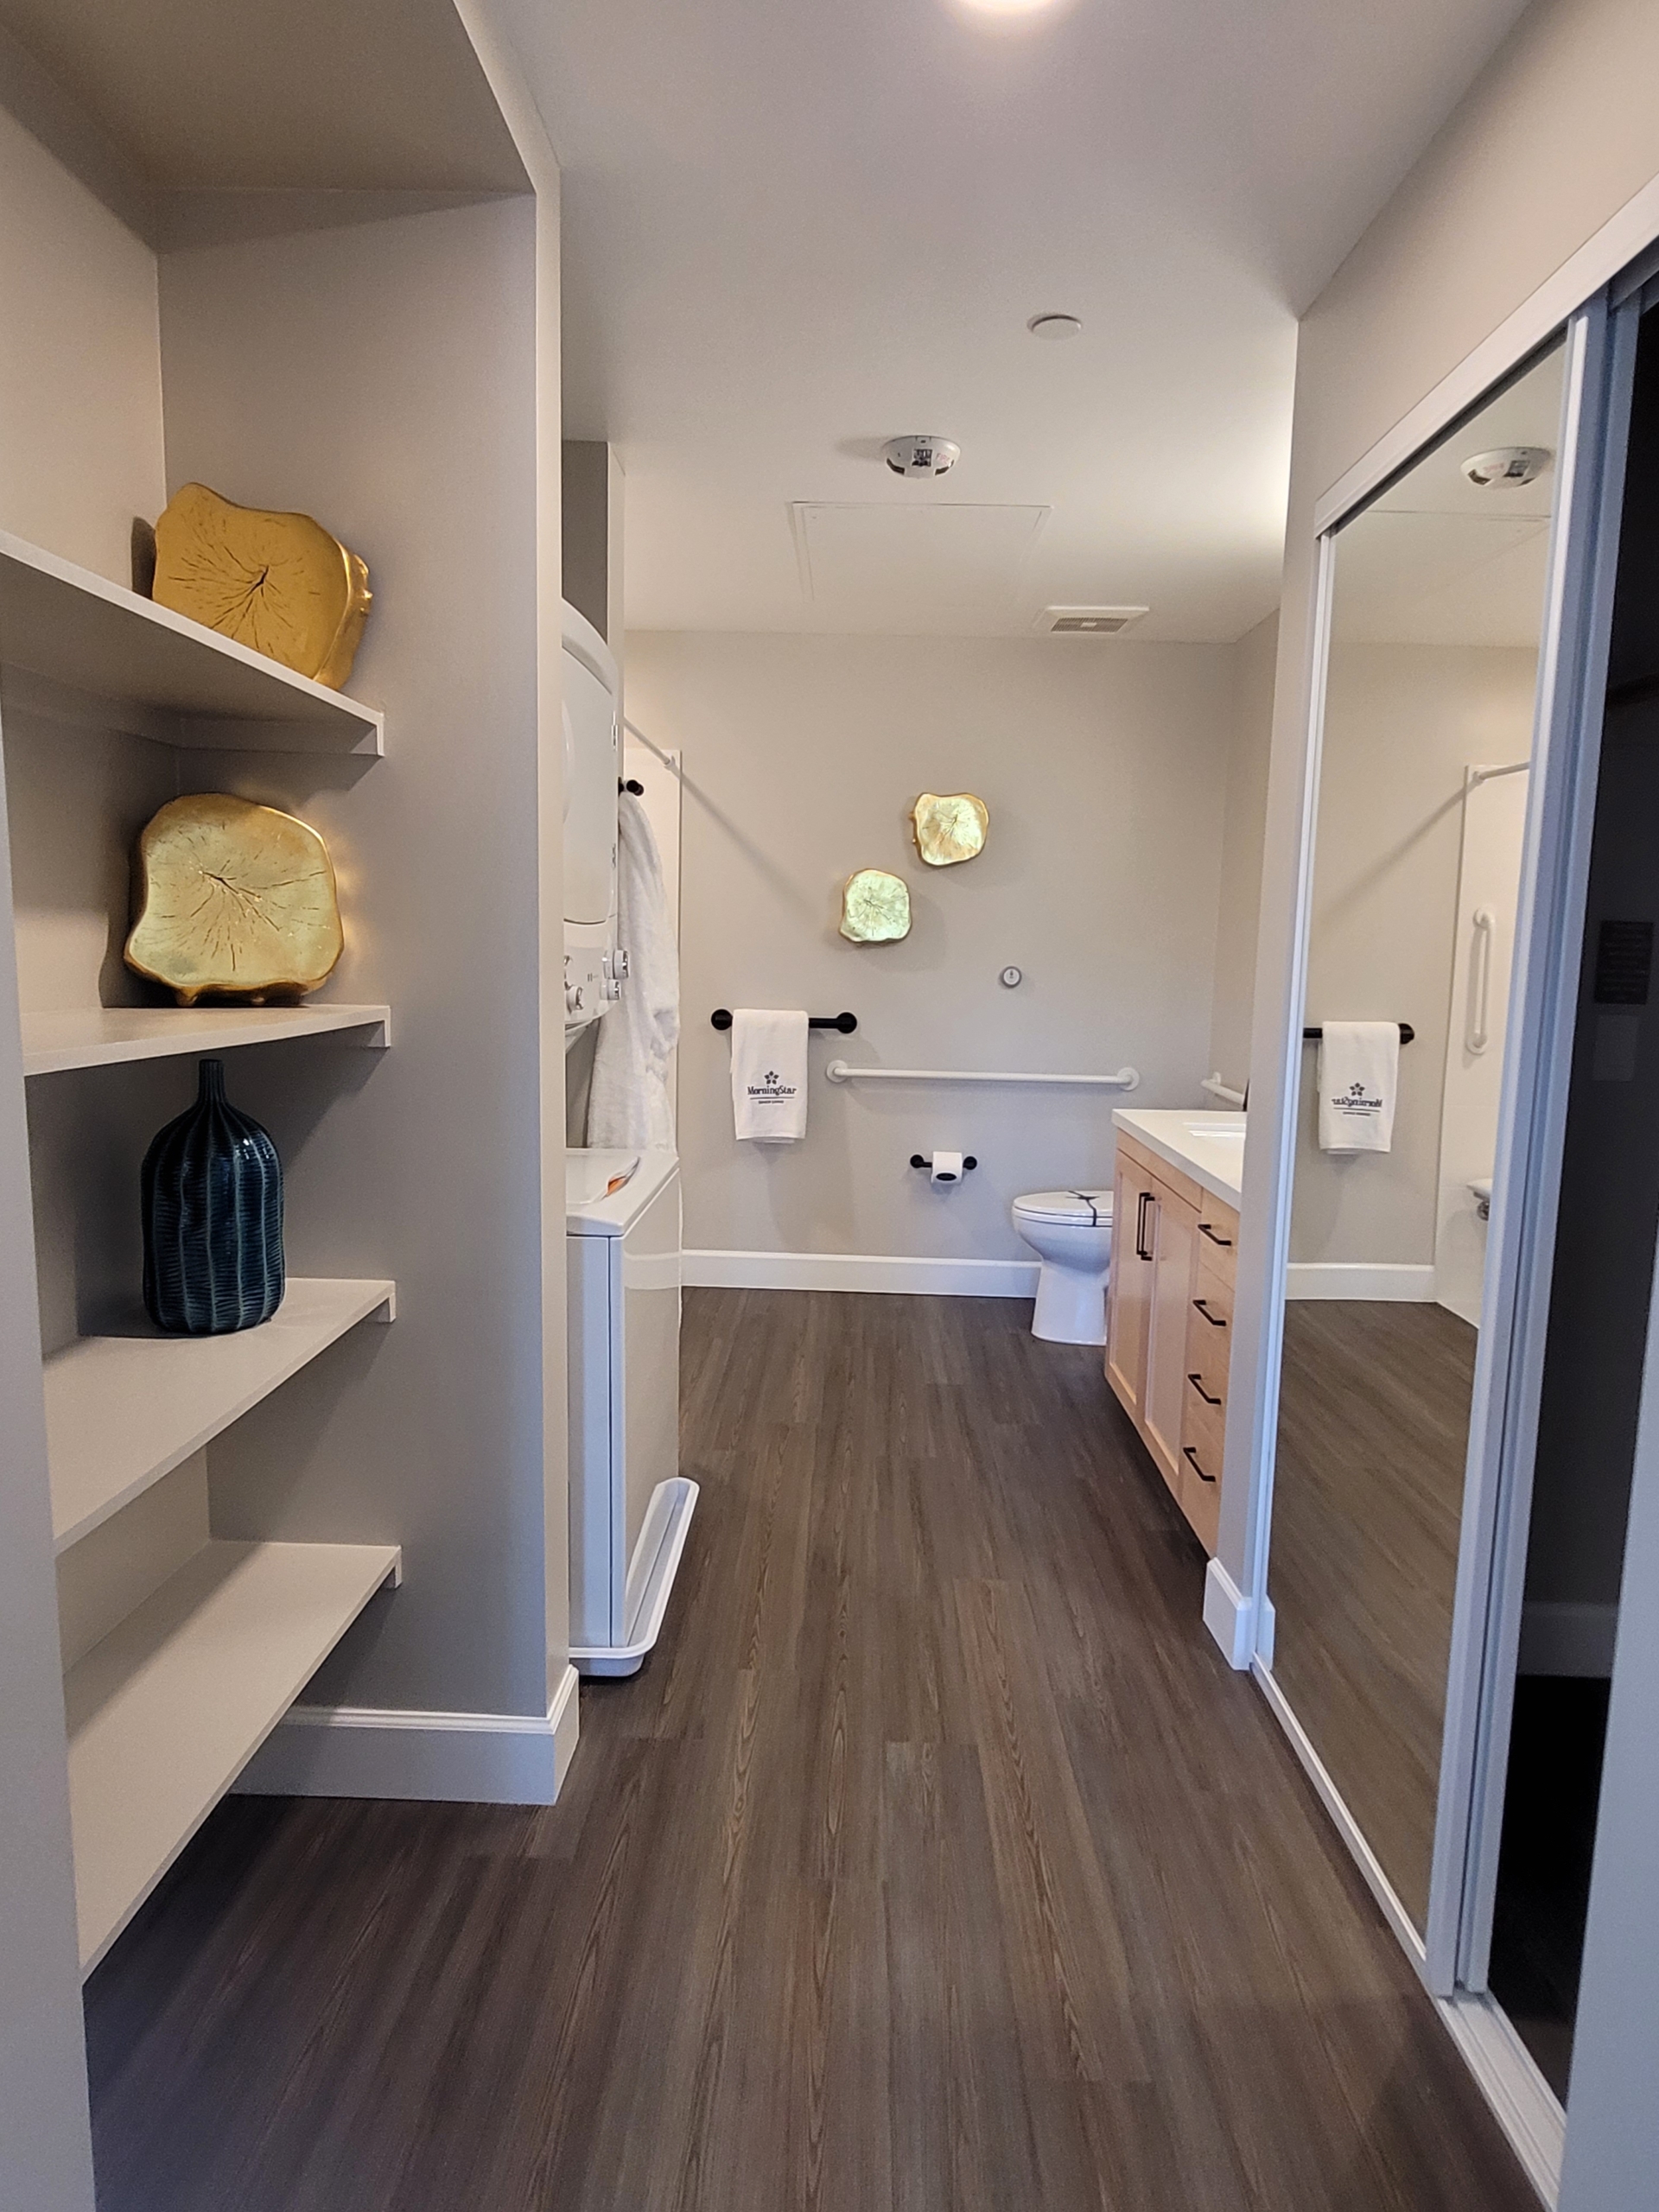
(1070, 1232)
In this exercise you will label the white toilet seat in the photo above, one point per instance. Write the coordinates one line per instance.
(1088, 1209)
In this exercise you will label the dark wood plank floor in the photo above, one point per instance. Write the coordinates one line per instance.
(935, 1863)
(1368, 1495)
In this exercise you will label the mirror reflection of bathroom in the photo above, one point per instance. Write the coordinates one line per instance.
(1437, 610)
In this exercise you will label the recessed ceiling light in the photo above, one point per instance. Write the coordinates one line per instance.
(1053, 326)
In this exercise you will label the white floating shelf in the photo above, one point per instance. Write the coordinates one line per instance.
(165, 1712)
(172, 679)
(121, 1412)
(103, 1036)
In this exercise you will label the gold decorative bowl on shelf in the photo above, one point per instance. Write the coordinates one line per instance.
(235, 901)
(276, 583)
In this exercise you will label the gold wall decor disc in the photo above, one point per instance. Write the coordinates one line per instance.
(950, 827)
(235, 900)
(874, 907)
(276, 583)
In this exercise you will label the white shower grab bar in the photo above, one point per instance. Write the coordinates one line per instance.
(1479, 1033)
(1217, 1088)
(839, 1072)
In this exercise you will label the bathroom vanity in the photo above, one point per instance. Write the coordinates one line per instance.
(1170, 1304)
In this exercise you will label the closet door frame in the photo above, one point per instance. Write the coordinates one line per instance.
(1497, 1495)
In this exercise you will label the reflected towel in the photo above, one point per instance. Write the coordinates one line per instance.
(769, 1074)
(1359, 1079)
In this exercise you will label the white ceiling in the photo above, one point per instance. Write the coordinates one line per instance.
(794, 228)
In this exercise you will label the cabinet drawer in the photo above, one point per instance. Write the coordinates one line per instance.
(1218, 1233)
(1206, 1365)
(1212, 1310)
(1203, 1433)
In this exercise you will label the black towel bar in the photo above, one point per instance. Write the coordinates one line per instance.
(722, 1019)
(1310, 1036)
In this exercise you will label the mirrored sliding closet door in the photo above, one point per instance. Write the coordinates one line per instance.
(1435, 623)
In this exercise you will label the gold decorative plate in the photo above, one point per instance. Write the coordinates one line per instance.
(276, 583)
(235, 900)
(950, 828)
(874, 907)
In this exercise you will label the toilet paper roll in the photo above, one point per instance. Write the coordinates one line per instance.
(946, 1169)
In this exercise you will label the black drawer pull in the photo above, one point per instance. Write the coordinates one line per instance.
(1214, 1319)
(1187, 1452)
(1197, 1381)
(1142, 1252)
(1204, 1229)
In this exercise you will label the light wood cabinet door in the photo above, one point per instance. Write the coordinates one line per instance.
(1128, 1321)
(1174, 1268)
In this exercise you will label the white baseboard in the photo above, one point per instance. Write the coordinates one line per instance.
(1568, 1639)
(1390, 1281)
(1521, 2101)
(1230, 1616)
(866, 1271)
(478, 1758)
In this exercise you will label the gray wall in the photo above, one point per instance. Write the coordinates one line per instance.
(1104, 766)
(1240, 901)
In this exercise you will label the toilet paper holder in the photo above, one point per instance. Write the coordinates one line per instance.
(926, 1160)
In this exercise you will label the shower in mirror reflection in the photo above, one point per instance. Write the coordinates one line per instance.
(1437, 609)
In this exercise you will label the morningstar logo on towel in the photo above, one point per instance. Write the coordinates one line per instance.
(770, 1086)
(1355, 1100)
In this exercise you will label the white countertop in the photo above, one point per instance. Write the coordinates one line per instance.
(1209, 1148)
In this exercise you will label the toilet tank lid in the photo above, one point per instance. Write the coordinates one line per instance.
(1092, 1207)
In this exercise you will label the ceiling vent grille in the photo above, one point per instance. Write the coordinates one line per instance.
(1087, 622)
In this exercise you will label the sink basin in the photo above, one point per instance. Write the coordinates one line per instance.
(1207, 1133)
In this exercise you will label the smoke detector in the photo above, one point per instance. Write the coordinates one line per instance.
(1509, 465)
(1087, 622)
(921, 456)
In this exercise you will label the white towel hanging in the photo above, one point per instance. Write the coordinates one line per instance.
(1360, 1078)
(769, 1074)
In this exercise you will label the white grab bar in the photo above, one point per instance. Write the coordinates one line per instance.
(1217, 1088)
(1479, 1033)
(839, 1072)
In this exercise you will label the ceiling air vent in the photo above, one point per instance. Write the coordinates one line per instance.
(1087, 622)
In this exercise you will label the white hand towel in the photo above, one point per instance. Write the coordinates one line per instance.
(1359, 1079)
(769, 1075)
(627, 1101)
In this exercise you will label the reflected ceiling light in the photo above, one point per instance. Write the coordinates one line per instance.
(1053, 326)
(1508, 466)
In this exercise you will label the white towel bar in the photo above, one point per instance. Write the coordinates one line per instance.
(1217, 1088)
(839, 1072)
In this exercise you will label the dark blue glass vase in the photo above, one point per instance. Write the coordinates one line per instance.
(212, 1188)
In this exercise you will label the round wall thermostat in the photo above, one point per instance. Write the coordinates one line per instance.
(1010, 978)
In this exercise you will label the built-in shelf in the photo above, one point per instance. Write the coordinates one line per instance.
(121, 1412)
(84, 639)
(103, 1036)
(165, 1712)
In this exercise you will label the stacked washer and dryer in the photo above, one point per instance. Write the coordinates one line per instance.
(630, 1506)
